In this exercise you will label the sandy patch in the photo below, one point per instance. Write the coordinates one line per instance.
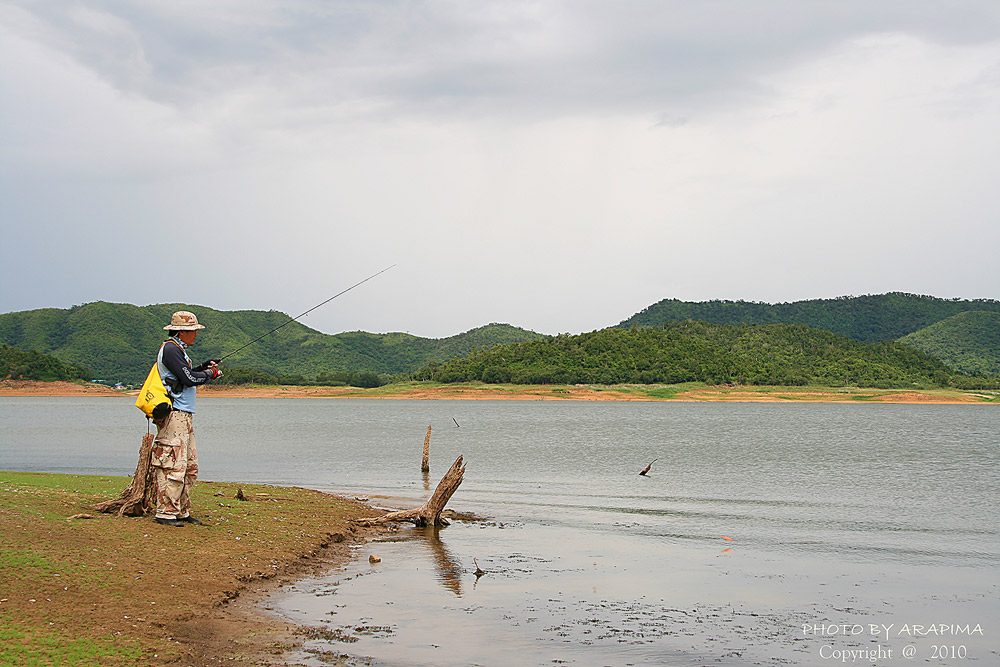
(33, 388)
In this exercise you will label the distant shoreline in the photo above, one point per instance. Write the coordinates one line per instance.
(473, 391)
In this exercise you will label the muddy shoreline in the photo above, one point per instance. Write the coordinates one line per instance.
(243, 629)
(208, 606)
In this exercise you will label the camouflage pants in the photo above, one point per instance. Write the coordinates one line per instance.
(176, 462)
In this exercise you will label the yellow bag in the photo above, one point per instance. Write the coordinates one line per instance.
(153, 399)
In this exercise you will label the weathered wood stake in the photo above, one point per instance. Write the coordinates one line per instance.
(426, 465)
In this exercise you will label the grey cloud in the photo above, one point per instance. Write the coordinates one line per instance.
(486, 58)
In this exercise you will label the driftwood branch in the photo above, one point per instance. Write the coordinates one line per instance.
(138, 497)
(428, 514)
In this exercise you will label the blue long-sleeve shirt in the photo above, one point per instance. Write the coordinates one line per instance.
(178, 374)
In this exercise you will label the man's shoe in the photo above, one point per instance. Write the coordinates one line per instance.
(169, 522)
(191, 519)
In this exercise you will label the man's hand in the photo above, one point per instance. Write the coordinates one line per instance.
(214, 370)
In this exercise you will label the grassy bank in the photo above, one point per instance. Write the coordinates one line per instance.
(126, 591)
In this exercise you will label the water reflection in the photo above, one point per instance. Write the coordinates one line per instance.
(449, 572)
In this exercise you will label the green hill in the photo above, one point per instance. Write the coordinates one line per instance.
(34, 365)
(874, 317)
(117, 341)
(774, 354)
(969, 342)
(820, 341)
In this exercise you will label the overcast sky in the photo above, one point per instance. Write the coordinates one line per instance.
(555, 165)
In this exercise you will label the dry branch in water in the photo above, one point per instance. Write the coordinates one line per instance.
(428, 514)
(426, 465)
(137, 498)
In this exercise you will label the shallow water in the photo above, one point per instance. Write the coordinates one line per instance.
(838, 515)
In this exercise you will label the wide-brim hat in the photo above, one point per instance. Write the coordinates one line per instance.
(182, 320)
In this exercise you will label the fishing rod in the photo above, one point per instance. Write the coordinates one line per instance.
(305, 313)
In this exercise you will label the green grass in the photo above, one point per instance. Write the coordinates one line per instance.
(26, 564)
(669, 391)
(28, 647)
(85, 484)
(68, 589)
(15, 562)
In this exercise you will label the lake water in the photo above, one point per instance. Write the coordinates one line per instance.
(857, 534)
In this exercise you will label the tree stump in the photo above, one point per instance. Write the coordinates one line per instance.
(138, 497)
(428, 514)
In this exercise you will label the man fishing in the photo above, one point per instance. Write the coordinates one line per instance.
(174, 455)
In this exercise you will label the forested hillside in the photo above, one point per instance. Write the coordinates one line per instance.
(118, 341)
(969, 342)
(33, 365)
(867, 318)
(669, 342)
(775, 354)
